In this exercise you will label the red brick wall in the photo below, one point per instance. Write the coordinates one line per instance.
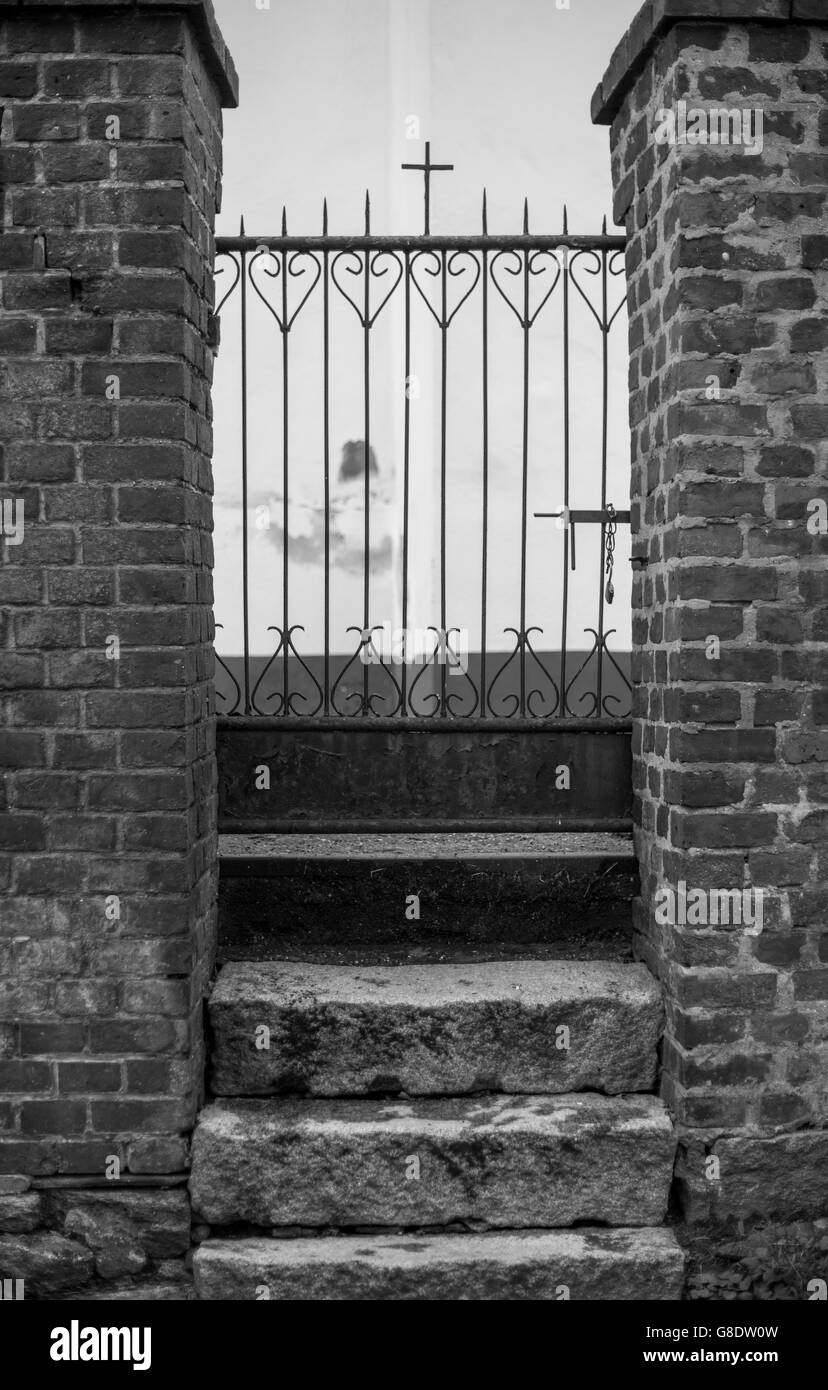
(728, 277)
(109, 779)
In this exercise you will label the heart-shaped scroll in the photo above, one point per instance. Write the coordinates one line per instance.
(221, 267)
(376, 269)
(310, 272)
(533, 272)
(592, 266)
(457, 264)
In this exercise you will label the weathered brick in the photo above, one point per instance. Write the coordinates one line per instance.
(53, 120)
(49, 1039)
(810, 421)
(725, 264)
(18, 79)
(60, 1117)
(786, 460)
(787, 292)
(25, 1076)
(106, 267)
(787, 207)
(157, 1155)
(81, 585)
(125, 710)
(809, 335)
(75, 77)
(778, 45)
(728, 584)
(714, 988)
(18, 335)
(811, 984)
(157, 1035)
(88, 1078)
(90, 833)
(78, 335)
(52, 627)
(38, 290)
(127, 1116)
(698, 830)
(717, 499)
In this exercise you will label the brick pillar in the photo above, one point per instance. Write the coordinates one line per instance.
(727, 268)
(110, 159)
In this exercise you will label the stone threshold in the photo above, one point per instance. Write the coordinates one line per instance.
(424, 846)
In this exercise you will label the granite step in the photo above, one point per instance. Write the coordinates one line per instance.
(330, 896)
(524, 1027)
(589, 1264)
(502, 1161)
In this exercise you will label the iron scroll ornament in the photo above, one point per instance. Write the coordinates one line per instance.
(285, 277)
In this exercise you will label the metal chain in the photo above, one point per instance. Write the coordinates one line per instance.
(612, 527)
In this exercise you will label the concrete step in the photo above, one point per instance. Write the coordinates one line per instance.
(301, 896)
(502, 1161)
(526, 1027)
(584, 1265)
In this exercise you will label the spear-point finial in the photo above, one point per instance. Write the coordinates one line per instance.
(565, 220)
(241, 226)
(367, 213)
(485, 215)
(284, 221)
(324, 217)
(526, 216)
(604, 225)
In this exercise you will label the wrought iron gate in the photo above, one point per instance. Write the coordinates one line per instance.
(362, 719)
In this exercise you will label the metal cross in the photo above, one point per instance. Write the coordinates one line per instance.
(427, 170)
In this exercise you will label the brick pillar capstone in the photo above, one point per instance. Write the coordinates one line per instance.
(727, 267)
(110, 159)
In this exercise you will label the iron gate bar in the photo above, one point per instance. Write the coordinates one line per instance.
(484, 252)
(484, 242)
(580, 514)
(384, 724)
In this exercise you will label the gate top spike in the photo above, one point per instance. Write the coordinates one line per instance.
(241, 225)
(485, 215)
(565, 221)
(284, 221)
(367, 212)
(526, 216)
(324, 217)
(604, 226)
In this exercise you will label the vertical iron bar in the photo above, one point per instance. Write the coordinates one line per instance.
(248, 708)
(406, 481)
(485, 551)
(443, 389)
(366, 596)
(604, 406)
(327, 465)
(565, 586)
(524, 484)
(285, 506)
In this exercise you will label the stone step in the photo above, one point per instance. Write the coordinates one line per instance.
(502, 1161)
(314, 895)
(583, 1265)
(526, 1027)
